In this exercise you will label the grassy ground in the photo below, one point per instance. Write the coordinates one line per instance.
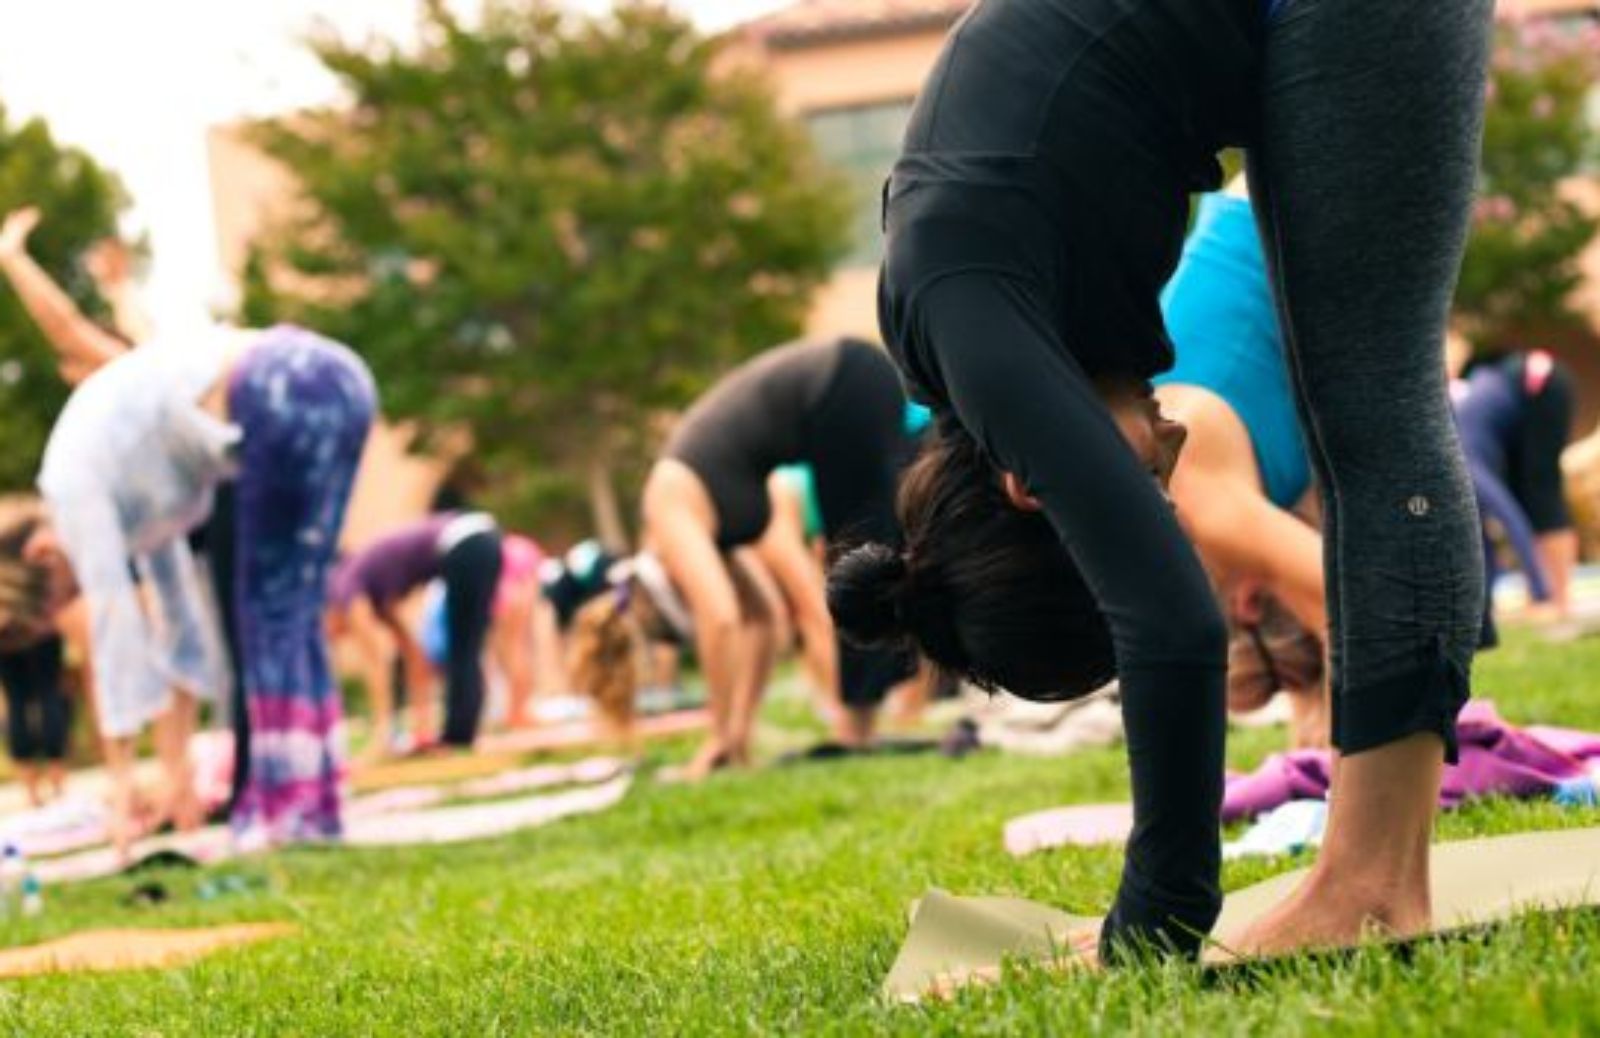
(775, 902)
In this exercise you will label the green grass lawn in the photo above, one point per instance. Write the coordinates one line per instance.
(774, 902)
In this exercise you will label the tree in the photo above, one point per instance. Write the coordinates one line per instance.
(548, 228)
(80, 201)
(1522, 263)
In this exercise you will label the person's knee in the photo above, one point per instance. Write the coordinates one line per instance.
(720, 622)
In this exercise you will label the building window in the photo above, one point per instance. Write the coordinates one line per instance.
(863, 143)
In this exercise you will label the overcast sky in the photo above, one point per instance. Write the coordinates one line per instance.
(137, 82)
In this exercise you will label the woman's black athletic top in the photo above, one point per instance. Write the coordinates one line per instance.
(837, 406)
(1038, 209)
(828, 403)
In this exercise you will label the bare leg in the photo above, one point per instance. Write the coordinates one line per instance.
(173, 730)
(56, 776)
(120, 756)
(1365, 350)
(371, 652)
(513, 638)
(758, 650)
(1558, 551)
(680, 524)
(549, 655)
(32, 779)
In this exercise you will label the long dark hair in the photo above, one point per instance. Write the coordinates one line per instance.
(25, 587)
(982, 588)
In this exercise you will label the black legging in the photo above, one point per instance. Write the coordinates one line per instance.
(471, 571)
(1534, 474)
(216, 540)
(37, 715)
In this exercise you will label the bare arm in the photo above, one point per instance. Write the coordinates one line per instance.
(783, 550)
(367, 649)
(419, 672)
(81, 346)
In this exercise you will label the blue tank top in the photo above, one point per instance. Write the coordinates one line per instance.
(1224, 328)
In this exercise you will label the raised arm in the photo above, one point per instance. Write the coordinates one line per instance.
(81, 346)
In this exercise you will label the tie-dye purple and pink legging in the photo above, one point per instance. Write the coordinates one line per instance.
(304, 404)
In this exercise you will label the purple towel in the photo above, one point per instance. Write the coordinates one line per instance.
(1496, 758)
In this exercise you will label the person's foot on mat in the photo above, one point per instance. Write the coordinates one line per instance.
(711, 758)
(1325, 913)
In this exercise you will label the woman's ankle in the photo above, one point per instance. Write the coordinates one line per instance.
(1393, 900)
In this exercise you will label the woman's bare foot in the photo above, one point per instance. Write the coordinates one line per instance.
(1325, 912)
(713, 756)
(1371, 879)
(856, 727)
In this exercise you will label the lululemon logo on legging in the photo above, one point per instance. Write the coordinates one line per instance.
(1419, 506)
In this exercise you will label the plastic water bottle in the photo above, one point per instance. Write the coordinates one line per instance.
(12, 870)
(32, 895)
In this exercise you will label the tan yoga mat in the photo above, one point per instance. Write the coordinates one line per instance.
(106, 951)
(578, 735)
(422, 771)
(961, 940)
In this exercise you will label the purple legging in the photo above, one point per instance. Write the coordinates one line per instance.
(305, 405)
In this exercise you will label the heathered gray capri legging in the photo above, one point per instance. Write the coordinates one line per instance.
(1363, 177)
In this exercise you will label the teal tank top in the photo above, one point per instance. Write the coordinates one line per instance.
(1224, 326)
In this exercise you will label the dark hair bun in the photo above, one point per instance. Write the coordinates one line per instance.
(865, 589)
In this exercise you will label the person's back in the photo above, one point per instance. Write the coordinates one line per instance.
(753, 419)
(390, 567)
(135, 432)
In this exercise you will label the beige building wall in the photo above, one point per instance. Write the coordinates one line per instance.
(848, 74)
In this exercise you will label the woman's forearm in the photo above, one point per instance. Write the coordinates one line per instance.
(81, 345)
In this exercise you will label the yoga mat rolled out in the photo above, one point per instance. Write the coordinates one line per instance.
(581, 734)
(105, 951)
(960, 940)
(417, 771)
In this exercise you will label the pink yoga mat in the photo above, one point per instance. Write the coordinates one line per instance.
(1085, 825)
(480, 821)
(522, 780)
(400, 817)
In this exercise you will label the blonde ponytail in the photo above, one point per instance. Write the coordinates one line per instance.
(605, 661)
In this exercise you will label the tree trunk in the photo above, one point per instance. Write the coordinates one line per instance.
(605, 507)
